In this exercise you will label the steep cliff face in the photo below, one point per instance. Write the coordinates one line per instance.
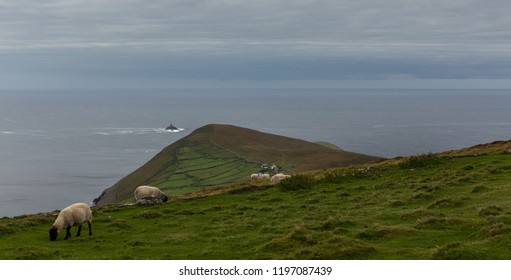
(218, 154)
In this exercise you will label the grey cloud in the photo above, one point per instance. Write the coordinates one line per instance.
(264, 39)
(132, 22)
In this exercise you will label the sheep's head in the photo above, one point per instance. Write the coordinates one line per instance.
(165, 198)
(54, 232)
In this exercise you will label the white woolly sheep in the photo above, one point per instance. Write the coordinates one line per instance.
(275, 179)
(259, 176)
(142, 192)
(73, 215)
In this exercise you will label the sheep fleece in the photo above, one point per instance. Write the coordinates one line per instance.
(75, 214)
(148, 191)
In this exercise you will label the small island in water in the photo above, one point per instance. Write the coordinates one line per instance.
(171, 127)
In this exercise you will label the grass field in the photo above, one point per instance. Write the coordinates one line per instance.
(203, 166)
(449, 206)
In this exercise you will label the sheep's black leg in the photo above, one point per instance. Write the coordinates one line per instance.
(90, 229)
(79, 230)
(68, 232)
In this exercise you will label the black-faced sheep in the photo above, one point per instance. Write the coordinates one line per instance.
(143, 192)
(275, 179)
(75, 214)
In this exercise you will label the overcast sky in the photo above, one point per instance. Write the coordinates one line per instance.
(262, 43)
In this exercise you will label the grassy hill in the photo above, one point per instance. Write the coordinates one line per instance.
(452, 205)
(216, 155)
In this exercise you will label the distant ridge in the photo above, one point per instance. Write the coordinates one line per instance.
(219, 154)
(265, 147)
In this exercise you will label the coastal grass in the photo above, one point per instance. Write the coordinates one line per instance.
(459, 207)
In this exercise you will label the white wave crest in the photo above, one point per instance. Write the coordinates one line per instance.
(172, 130)
(28, 132)
(105, 131)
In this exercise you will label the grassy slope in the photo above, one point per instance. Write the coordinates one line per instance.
(216, 155)
(457, 207)
(203, 166)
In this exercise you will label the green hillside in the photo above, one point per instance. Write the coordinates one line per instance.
(216, 155)
(452, 205)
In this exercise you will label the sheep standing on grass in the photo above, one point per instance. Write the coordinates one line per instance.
(148, 192)
(254, 177)
(275, 179)
(75, 214)
(259, 176)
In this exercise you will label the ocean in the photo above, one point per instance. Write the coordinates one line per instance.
(58, 147)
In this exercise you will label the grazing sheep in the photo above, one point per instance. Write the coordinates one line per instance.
(259, 176)
(275, 179)
(144, 192)
(75, 214)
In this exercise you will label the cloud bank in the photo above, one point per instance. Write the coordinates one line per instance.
(125, 43)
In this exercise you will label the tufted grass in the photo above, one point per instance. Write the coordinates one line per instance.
(457, 208)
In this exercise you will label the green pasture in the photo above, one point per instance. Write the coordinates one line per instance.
(428, 207)
(204, 166)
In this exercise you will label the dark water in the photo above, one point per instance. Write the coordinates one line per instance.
(60, 147)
